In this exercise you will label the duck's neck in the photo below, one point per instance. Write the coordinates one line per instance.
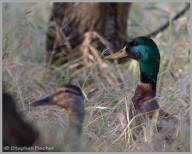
(73, 136)
(75, 123)
(143, 92)
(152, 82)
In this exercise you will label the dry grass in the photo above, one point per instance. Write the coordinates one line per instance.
(108, 87)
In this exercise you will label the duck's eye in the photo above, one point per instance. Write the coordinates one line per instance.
(134, 43)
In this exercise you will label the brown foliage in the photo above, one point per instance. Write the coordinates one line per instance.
(71, 21)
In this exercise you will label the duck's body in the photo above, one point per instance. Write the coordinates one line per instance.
(71, 98)
(146, 52)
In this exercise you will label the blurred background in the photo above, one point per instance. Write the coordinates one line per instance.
(31, 36)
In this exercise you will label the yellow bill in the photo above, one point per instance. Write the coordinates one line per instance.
(120, 54)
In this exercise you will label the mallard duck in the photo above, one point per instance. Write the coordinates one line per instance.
(146, 52)
(69, 97)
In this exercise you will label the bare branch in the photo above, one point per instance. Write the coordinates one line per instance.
(163, 27)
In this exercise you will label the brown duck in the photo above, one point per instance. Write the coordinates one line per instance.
(69, 97)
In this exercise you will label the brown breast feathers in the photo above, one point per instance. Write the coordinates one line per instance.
(143, 98)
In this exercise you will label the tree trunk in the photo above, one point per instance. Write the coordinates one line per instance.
(74, 25)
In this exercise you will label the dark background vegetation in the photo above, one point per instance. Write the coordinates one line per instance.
(108, 87)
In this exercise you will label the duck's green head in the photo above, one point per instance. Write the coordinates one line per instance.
(146, 52)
